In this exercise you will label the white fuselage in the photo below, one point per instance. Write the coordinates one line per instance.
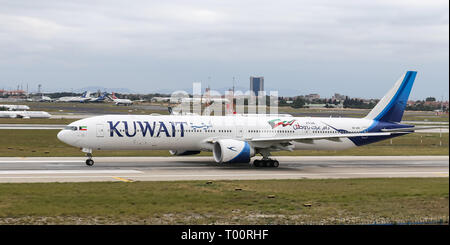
(24, 114)
(194, 133)
(73, 99)
(15, 107)
(123, 102)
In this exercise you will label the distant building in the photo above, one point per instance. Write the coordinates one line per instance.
(13, 92)
(256, 85)
(338, 97)
(315, 105)
(311, 97)
(433, 103)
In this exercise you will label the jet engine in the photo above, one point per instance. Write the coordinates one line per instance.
(183, 152)
(232, 151)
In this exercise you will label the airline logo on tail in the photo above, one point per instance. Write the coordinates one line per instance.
(86, 94)
(391, 107)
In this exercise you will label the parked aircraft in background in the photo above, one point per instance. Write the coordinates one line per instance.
(237, 138)
(204, 100)
(83, 98)
(45, 99)
(118, 101)
(15, 107)
(101, 98)
(160, 99)
(41, 98)
(24, 114)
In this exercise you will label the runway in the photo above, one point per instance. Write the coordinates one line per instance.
(129, 169)
(32, 126)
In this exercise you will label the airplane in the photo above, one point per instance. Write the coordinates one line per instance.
(203, 100)
(83, 98)
(237, 138)
(15, 107)
(120, 101)
(45, 99)
(24, 114)
(160, 99)
(101, 98)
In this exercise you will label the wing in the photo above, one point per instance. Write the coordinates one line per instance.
(337, 136)
(20, 115)
(318, 137)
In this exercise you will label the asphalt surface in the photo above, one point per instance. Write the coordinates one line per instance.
(32, 126)
(128, 169)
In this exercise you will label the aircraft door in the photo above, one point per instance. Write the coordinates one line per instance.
(100, 130)
(239, 131)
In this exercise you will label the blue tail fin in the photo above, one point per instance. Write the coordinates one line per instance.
(391, 107)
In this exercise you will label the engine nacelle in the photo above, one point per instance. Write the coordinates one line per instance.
(183, 152)
(232, 151)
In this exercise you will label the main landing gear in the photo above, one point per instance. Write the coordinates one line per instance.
(89, 161)
(266, 163)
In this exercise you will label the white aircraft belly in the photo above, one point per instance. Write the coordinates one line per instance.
(142, 143)
(323, 144)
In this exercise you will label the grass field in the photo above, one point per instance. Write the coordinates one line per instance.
(426, 118)
(35, 143)
(345, 201)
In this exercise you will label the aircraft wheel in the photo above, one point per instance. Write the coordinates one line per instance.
(89, 162)
(275, 164)
(257, 163)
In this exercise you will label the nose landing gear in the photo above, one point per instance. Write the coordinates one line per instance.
(89, 161)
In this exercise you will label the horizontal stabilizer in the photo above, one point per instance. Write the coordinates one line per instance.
(411, 129)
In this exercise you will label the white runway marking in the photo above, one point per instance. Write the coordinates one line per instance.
(90, 171)
(41, 161)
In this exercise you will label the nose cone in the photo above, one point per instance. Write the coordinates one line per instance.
(62, 136)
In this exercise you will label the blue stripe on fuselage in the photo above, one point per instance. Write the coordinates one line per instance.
(376, 127)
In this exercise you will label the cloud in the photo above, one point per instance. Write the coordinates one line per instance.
(201, 28)
(278, 35)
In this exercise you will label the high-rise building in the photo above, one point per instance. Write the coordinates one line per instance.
(256, 85)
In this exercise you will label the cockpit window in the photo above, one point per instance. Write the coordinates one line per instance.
(73, 128)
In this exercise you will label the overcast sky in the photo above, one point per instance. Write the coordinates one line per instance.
(358, 48)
